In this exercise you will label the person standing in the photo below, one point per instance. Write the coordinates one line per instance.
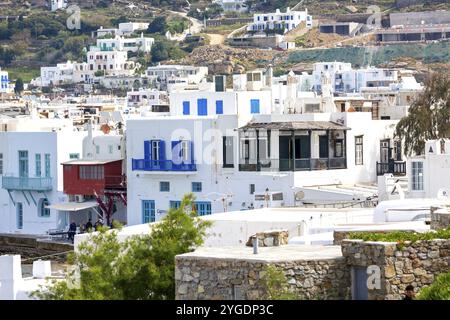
(88, 225)
(409, 293)
(72, 231)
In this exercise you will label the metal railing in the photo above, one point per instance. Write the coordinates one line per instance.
(162, 165)
(115, 181)
(397, 168)
(307, 164)
(26, 183)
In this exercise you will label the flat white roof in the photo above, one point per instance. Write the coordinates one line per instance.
(281, 214)
(268, 254)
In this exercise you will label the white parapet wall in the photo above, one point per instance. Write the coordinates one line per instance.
(13, 286)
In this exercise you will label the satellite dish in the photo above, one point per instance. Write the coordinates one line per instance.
(443, 194)
(299, 195)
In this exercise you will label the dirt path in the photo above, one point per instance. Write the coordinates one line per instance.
(215, 38)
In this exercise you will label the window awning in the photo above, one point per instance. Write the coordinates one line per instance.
(73, 206)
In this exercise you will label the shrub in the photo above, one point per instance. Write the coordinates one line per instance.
(438, 290)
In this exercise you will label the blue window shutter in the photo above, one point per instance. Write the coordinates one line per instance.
(162, 150)
(219, 107)
(254, 106)
(186, 108)
(147, 150)
(202, 107)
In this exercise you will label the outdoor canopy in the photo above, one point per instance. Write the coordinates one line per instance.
(73, 206)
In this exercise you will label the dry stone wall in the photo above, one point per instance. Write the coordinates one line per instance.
(229, 279)
(404, 264)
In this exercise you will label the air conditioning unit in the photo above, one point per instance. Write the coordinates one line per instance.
(79, 198)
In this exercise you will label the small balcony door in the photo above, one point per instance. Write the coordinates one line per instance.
(23, 164)
(323, 147)
(385, 150)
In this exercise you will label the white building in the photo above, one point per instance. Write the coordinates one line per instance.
(346, 79)
(430, 173)
(30, 163)
(119, 43)
(280, 21)
(233, 5)
(58, 4)
(149, 98)
(124, 29)
(171, 77)
(4, 82)
(109, 62)
(232, 148)
(127, 28)
(62, 73)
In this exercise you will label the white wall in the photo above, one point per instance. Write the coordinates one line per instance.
(59, 145)
(219, 182)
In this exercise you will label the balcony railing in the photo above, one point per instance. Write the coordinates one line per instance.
(115, 182)
(27, 184)
(162, 165)
(397, 168)
(307, 164)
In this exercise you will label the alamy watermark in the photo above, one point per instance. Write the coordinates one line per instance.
(74, 20)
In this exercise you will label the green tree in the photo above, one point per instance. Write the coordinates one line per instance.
(139, 268)
(275, 284)
(438, 290)
(158, 25)
(18, 88)
(160, 52)
(428, 117)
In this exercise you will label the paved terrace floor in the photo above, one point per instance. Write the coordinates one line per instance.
(268, 254)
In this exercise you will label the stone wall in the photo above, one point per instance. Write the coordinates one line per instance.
(415, 264)
(29, 247)
(229, 279)
(440, 219)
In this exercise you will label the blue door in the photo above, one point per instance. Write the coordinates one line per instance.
(148, 211)
(360, 291)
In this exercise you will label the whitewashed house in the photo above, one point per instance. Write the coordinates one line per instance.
(137, 44)
(127, 28)
(345, 79)
(62, 73)
(109, 62)
(278, 20)
(233, 5)
(151, 99)
(430, 173)
(171, 77)
(124, 29)
(30, 166)
(234, 148)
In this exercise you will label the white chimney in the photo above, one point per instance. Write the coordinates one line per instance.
(42, 269)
